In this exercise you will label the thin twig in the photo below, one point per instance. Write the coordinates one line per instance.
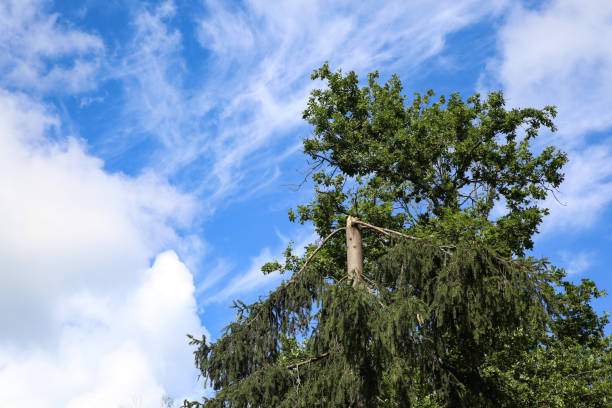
(310, 360)
(372, 289)
(334, 232)
(296, 187)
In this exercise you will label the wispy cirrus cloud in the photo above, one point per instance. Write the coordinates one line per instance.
(269, 82)
(586, 193)
(232, 130)
(41, 52)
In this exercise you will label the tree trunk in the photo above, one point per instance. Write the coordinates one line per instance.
(354, 255)
(354, 269)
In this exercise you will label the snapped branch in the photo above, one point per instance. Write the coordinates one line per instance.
(389, 232)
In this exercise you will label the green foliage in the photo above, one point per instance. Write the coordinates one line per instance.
(167, 402)
(570, 366)
(455, 316)
(438, 161)
(291, 351)
(561, 374)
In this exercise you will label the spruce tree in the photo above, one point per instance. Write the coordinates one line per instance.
(440, 307)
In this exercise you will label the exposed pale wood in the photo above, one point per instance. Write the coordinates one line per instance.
(354, 251)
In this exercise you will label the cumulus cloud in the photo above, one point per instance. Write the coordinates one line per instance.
(113, 351)
(86, 320)
(559, 55)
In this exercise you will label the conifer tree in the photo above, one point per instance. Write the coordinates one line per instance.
(440, 308)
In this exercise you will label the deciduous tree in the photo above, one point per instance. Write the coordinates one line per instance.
(444, 310)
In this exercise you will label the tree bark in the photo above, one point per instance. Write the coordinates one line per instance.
(354, 254)
(354, 269)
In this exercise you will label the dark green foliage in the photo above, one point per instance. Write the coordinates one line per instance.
(436, 311)
(455, 316)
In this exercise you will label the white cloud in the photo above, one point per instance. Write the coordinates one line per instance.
(230, 128)
(232, 38)
(586, 192)
(577, 263)
(269, 84)
(112, 350)
(40, 53)
(85, 320)
(254, 279)
(559, 55)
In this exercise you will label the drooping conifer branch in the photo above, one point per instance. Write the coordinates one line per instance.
(251, 319)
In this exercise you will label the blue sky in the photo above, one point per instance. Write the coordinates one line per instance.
(147, 153)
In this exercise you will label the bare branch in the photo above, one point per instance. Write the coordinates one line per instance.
(321, 158)
(385, 231)
(552, 191)
(310, 360)
(389, 232)
(296, 187)
(334, 232)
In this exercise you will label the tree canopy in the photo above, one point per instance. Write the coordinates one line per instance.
(447, 310)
